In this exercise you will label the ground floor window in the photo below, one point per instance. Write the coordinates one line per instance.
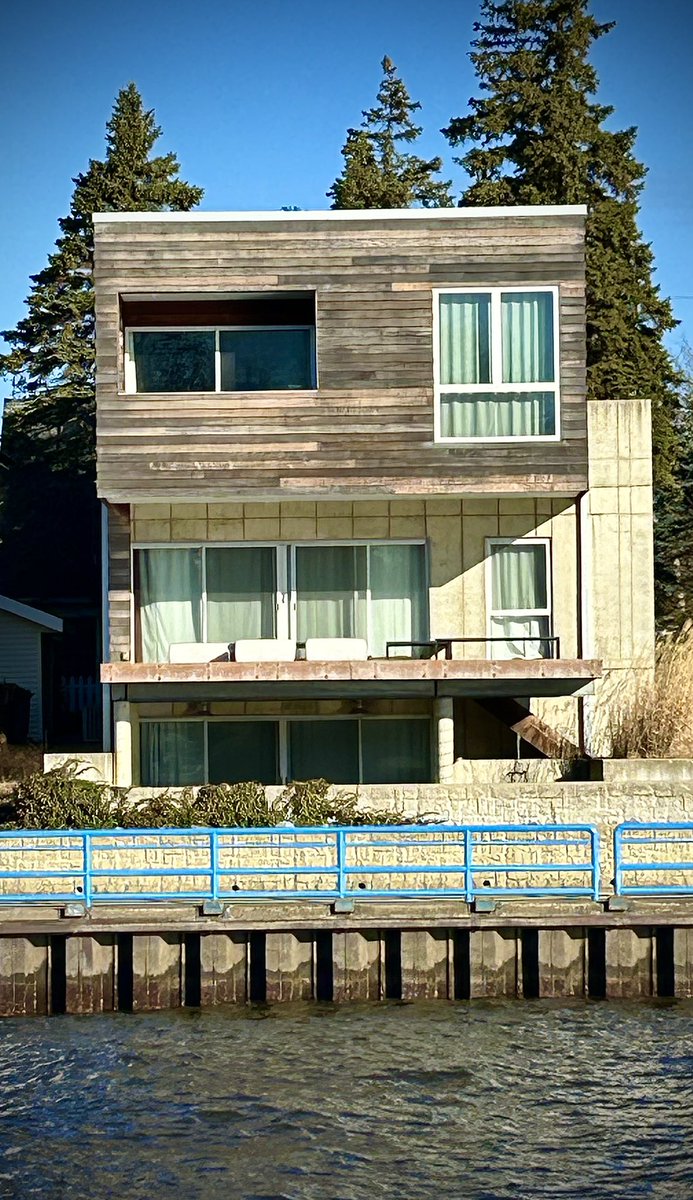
(340, 749)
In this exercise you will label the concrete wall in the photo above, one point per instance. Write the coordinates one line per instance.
(618, 553)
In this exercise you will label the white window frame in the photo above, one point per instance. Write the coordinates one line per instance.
(283, 722)
(130, 373)
(496, 386)
(520, 613)
(285, 576)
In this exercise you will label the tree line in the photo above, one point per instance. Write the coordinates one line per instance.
(535, 133)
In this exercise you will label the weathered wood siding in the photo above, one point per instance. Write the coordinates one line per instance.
(368, 428)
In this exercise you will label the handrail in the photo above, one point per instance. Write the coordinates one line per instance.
(445, 644)
(642, 848)
(296, 862)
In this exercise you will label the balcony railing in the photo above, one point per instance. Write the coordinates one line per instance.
(550, 647)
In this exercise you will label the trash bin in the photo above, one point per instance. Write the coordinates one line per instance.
(15, 706)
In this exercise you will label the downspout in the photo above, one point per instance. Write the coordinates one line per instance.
(107, 723)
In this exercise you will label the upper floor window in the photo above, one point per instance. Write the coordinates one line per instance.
(496, 364)
(240, 359)
(518, 597)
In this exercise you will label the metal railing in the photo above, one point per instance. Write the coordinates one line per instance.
(327, 862)
(654, 859)
(549, 647)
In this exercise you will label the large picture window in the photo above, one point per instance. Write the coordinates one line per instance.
(496, 364)
(342, 750)
(375, 591)
(242, 359)
(519, 598)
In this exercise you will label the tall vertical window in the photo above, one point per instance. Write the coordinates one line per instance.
(519, 598)
(497, 364)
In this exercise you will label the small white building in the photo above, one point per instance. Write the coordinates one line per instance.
(21, 630)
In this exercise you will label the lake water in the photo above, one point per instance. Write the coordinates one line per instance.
(478, 1101)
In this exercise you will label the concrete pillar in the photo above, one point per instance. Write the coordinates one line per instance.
(288, 966)
(445, 725)
(123, 743)
(425, 964)
(24, 976)
(683, 963)
(90, 974)
(493, 963)
(223, 968)
(357, 966)
(562, 962)
(156, 971)
(629, 963)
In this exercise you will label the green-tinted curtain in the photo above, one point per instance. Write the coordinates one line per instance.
(170, 600)
(396, 751)
(330, 591)
(497, 414)
(172, 753)
(527, 336)
(465, 345)
(518, 581)
(398, 596)
(240, 751)
(324, 750)
(241, 593)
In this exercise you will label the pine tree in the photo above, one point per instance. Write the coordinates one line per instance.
(537, 135)
(378, 172)
(49, 515)
(50, 418)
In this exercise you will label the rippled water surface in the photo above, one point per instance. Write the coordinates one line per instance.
(477, 1101)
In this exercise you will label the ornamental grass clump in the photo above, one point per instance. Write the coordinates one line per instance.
(653, 717)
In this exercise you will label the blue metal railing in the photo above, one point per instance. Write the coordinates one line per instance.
(654, 858)
(328, 862)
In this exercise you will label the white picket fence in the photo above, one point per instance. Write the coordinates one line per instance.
(82, 694)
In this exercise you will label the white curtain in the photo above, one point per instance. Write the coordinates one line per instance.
(465, 348)
(518, 581)
(172, 753)
(331, 591)
(170, 600)
(398, 596)
(241, 593)
(499, 414)
(527, 335)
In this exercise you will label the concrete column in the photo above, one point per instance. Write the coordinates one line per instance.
(123, 743)
(357, 966)
(223, 968)
(289, 966)
(425, 965)
(445, 725)
(90, 974)
(629, 963)
(562, 962)
(24, 976)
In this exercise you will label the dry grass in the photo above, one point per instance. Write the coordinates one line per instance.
(18, 762)
(654, 718)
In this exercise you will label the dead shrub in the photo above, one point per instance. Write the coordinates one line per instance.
(653, 717)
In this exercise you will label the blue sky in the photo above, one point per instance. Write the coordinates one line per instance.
(255, 99)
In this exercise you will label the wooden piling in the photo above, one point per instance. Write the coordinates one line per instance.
(223, 968)
(90, 973)
(156, 971)
(24, 976)
(630, 970)
(358, 967)
(494, 963)
(288, 967)
(425, 964)
(562, 962)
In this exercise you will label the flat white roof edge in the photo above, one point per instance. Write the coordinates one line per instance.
(350, 214)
